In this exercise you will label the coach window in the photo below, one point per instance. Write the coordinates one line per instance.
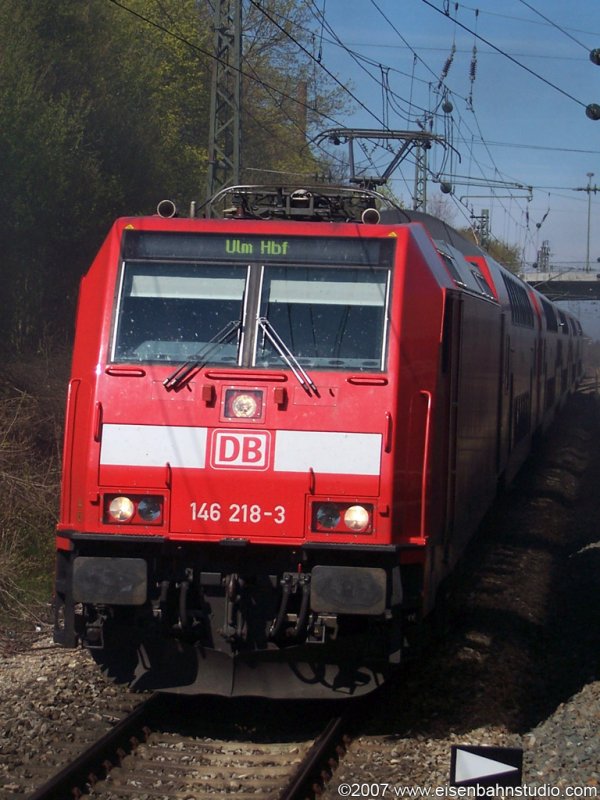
(520, 306)
(329, 317)
(551, 321)
(169, 312)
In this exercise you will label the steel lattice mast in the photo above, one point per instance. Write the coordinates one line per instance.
(225, 101)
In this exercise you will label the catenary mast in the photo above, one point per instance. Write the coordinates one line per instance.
(225, 100)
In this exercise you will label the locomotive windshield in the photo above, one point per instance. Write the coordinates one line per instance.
(327, 317)
(168, 311)
(325, 297)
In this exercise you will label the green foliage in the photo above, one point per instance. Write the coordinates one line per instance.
(508, 255)
(283, 99)
(105, 114)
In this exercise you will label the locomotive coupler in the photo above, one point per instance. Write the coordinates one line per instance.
(234, 624)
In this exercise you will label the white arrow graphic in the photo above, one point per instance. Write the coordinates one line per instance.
(469, 767)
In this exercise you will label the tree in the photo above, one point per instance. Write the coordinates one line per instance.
(506, 254)
(285, 95)
(105, 112)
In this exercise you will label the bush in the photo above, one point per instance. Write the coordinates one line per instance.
(31, 403)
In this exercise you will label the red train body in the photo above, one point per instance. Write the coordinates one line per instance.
(281, 433)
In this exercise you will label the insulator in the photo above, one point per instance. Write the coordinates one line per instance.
(448, 63)
(473, 67)
(595, 56)
(593, 111)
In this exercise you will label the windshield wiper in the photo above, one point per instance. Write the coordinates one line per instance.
(287, 356)
(182, 373)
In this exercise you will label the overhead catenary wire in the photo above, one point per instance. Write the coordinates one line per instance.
(443, 97)
(509, 57)
(554, 24)
(361, 61)
(518, 19)
(306, 52)
(270, 88)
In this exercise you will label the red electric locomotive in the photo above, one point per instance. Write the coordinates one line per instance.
(282, 428)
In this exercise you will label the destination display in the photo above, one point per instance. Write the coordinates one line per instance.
(250, 249)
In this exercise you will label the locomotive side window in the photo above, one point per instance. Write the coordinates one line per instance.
(329, 318)
(169, 312)
(449, 262)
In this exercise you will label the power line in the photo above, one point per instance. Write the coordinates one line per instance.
(518, 19)
(267, 87)
(212, 56)
(359, 57)
(443, 97)
(459, 50)
(284, 27)
(522, 146)
(554, 25)
(299, 44)
(507, 55)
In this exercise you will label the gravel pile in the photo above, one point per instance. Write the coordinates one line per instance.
(52, 702)
(562, 751)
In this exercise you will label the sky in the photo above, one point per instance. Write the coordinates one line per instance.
(518, 109)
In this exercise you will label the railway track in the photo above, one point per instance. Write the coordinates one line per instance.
(61, 722)
(146, 755)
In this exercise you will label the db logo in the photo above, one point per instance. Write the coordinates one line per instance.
(240, 450)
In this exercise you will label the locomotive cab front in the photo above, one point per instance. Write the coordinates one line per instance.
(248, 446)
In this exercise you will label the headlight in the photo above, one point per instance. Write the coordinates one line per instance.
(356, 518)
(133, 509)
(149, 509)
(338, 517)
(328, 515)
(121, 509)
(244, 404)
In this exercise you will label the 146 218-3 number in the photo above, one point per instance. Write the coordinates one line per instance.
(236, 512)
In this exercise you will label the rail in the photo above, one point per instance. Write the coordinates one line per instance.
(135, 732)
(95, 762)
